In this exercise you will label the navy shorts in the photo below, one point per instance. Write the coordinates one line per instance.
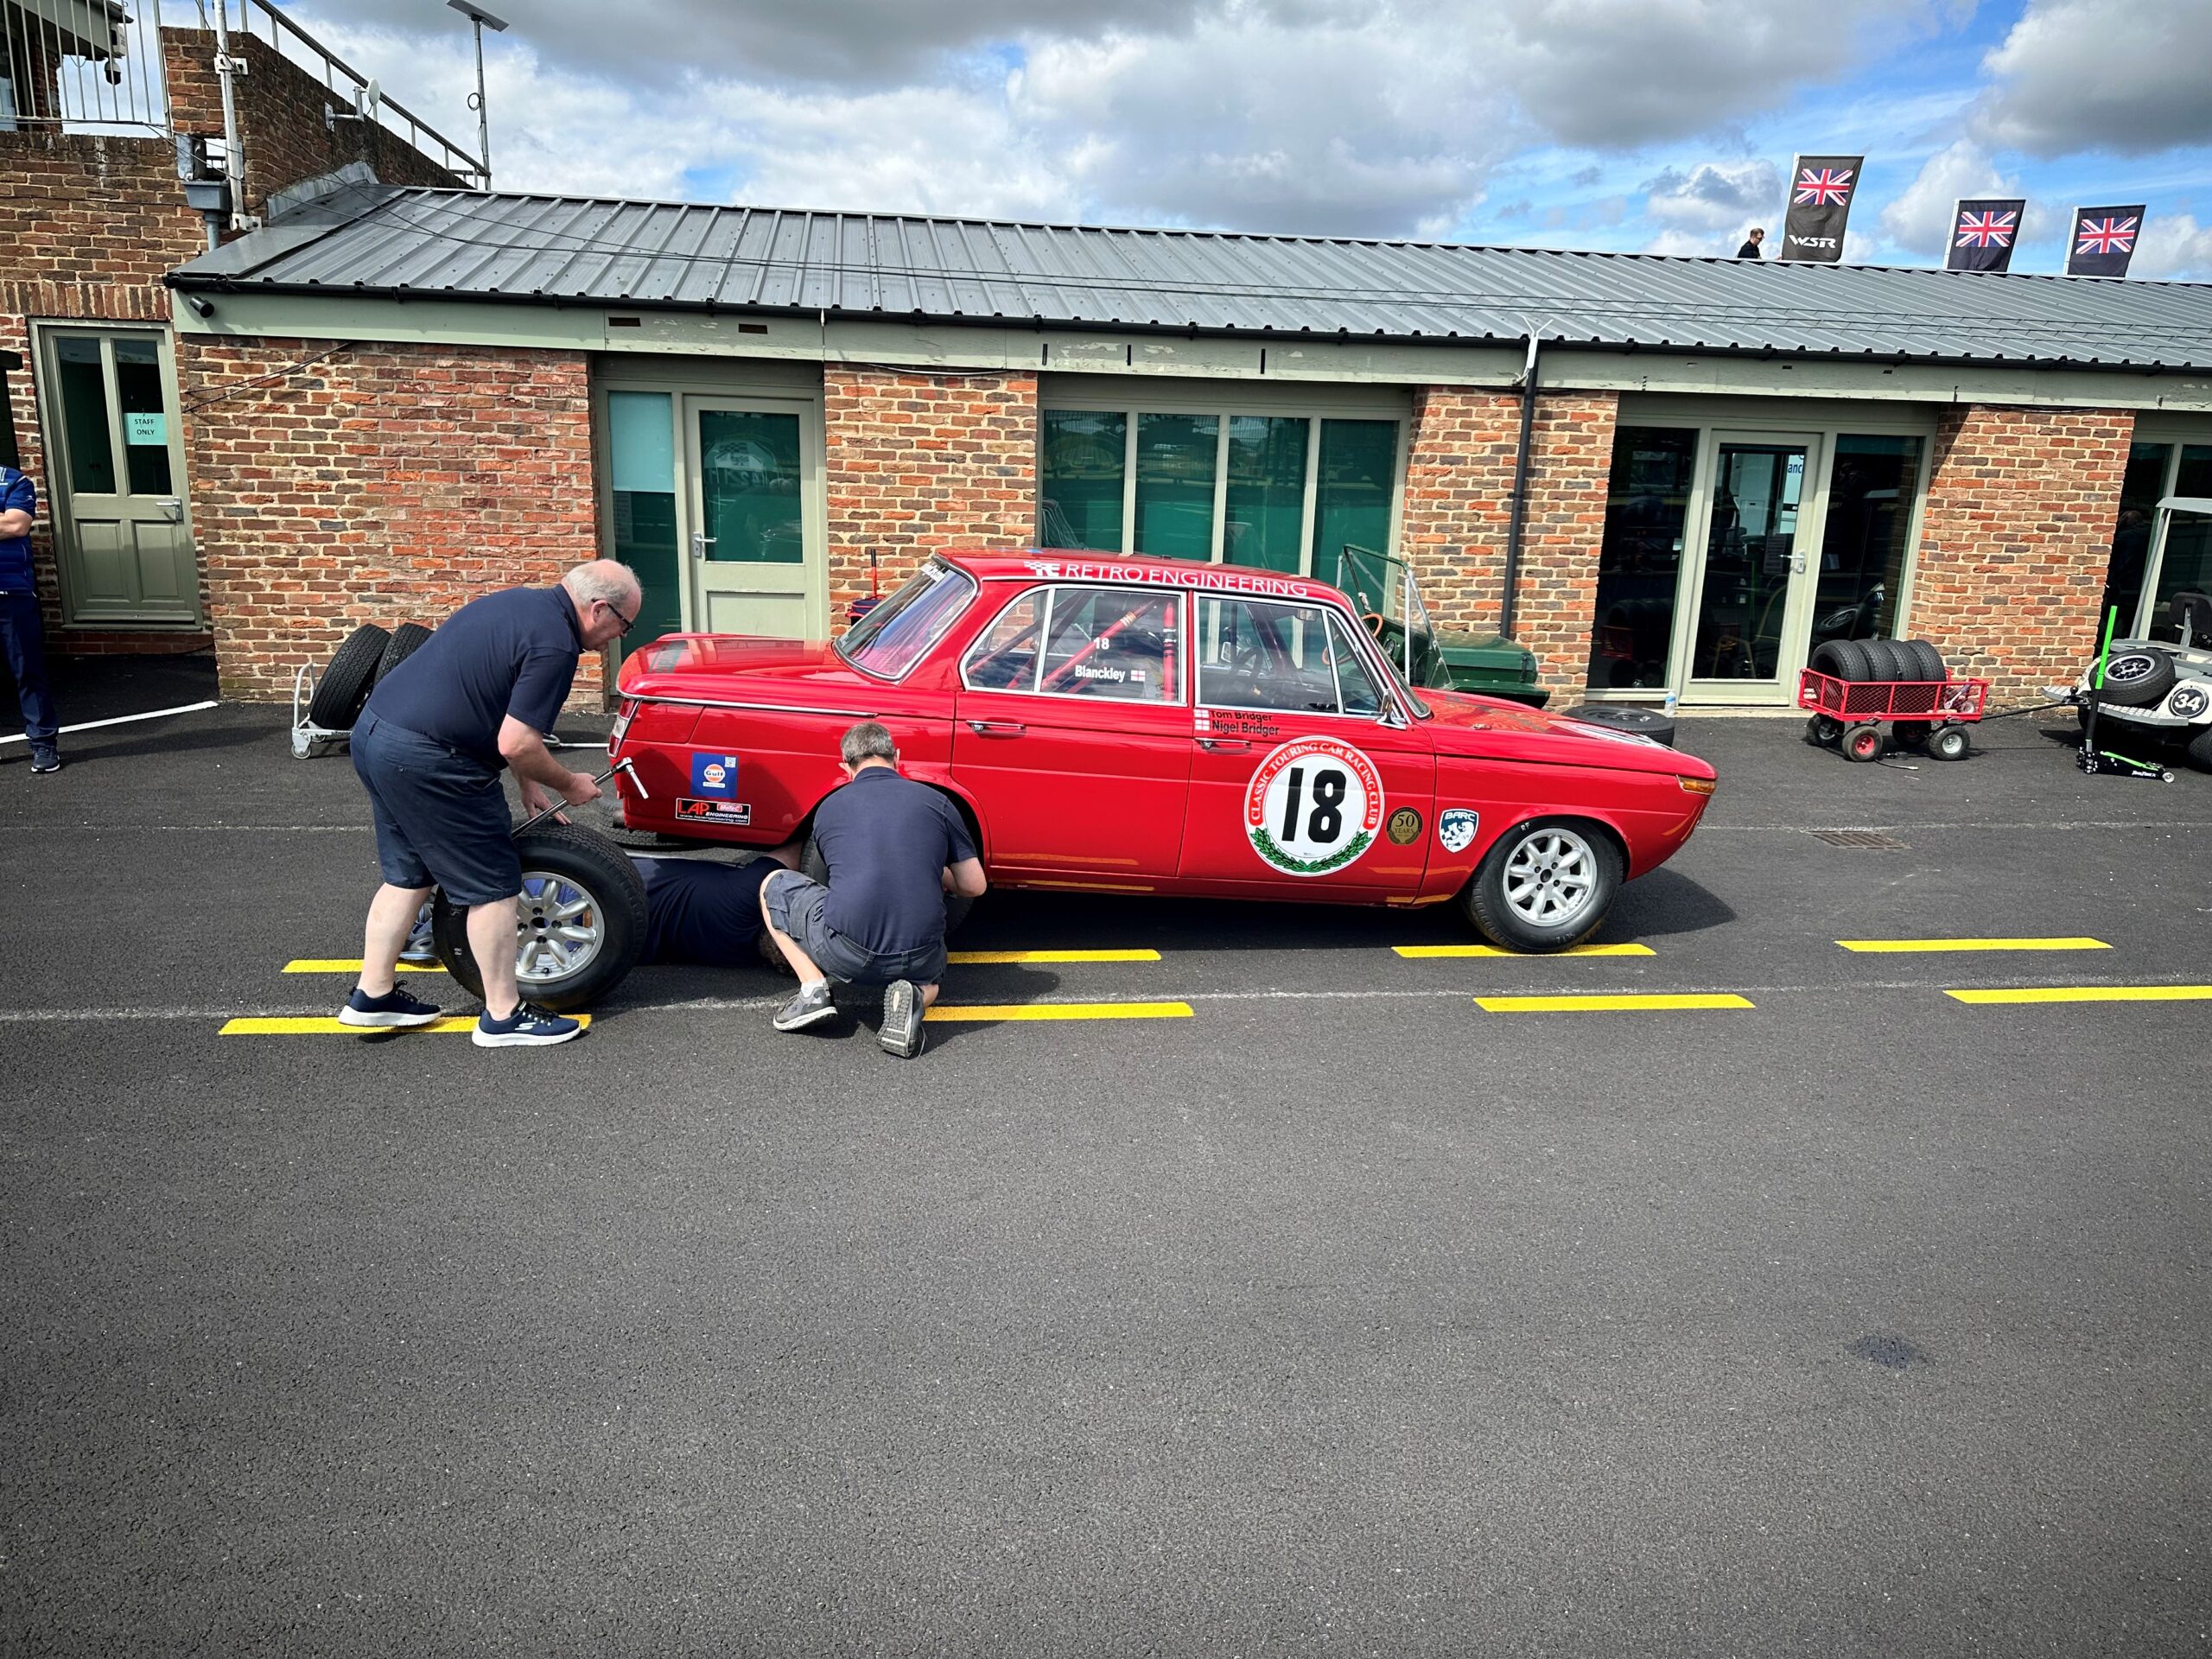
(795, 903)
(441, 817)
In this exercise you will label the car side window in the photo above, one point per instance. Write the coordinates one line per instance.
(1292, 658)
(1005, 659)
(1113, 643)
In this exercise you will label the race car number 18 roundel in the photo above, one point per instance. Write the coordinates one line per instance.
(1312, 806)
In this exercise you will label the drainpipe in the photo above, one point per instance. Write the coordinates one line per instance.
(233, 154)
(1519, 492)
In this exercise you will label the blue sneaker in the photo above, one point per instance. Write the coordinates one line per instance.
(526, 1027)
(45, 757)
(394, 1007)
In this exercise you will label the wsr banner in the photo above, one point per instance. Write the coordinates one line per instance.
(1821, 189)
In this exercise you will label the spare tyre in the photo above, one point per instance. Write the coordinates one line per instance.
(406, 639)
(1845, 659)
(1888, 661)
(2137, 678)
(345, 684)
(1928, 660)
(580, 924)
(1623, 717)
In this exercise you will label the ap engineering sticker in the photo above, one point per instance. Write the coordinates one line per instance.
(697, 811)
(714, 776)
(1312, 806)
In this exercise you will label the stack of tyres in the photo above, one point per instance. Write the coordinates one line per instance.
(1914, 672)
(366, 656)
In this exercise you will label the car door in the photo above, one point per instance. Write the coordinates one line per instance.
(1303, 767)
(1072, 734)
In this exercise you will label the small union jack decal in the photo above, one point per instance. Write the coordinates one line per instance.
(1825, 188)
(2105, 236)
(1985, 229)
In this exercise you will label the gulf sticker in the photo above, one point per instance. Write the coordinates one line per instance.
(1312, 806)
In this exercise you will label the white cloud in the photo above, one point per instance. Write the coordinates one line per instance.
(1919, 220)
(1716, 196)
(2124, 75)
(2174, 248)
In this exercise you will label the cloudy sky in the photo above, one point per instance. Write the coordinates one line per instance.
(1657, 125)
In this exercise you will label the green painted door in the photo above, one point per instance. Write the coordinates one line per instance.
(758, 563)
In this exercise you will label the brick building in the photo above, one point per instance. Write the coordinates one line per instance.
(111, 125)
(393, 396)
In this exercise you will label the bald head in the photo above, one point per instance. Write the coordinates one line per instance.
(606, 596)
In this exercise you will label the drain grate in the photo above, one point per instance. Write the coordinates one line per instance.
(1873, 840)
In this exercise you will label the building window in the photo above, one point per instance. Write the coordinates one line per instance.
(2141, 488)
(1277, 493)
(1865, 538)
(1640, 557)
(641, 456)
(2185, 561)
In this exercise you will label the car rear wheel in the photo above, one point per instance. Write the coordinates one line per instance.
(1544, 886)
(580, 922)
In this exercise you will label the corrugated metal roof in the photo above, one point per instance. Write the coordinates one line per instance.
(464, 244)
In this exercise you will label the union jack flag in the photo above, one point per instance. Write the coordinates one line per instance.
(1826, 187)
(1986, 229)
(2105, 236)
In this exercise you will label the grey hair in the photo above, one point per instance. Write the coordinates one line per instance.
(604, 580)
(867, 742)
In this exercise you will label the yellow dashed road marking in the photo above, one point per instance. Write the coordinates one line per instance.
(345, 965)
(1917, 947)
(2089, 994)
(1424, 952)
(319, 1025)
(978, 958)
(1661, 1000)
(979, 1011)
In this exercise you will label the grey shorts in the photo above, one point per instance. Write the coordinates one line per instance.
(794, 904)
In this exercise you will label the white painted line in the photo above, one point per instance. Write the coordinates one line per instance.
(121, 720)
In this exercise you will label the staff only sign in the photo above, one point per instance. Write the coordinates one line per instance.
(1982, 233)
(2103, 240)
(1821, 189)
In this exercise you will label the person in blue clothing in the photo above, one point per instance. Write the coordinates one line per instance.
(894, 848)
(22, 632)
(477, 698)
(705, 912)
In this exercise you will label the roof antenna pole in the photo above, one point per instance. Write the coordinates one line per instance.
(1520, 512)
(479, 19)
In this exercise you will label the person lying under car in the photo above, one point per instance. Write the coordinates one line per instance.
(705, 912)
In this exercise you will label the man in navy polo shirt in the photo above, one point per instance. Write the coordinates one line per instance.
(22, 634)
(894, 848)
(479, 695)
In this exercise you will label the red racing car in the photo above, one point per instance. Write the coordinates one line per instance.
(1130, 725)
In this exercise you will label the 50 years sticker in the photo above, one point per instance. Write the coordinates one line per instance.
(1312, 806)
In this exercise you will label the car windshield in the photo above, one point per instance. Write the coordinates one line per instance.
(892, 638)
(1385, 593)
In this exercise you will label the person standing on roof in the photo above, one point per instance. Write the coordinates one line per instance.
(22, 632)
(894, 848)
(1751, 240)
(478, 697)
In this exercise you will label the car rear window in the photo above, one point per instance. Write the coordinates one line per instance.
(893, 636)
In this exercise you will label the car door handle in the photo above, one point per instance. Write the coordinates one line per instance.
(1224, 745)
(996, 728)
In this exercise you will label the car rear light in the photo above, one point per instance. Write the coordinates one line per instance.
(1697, 785)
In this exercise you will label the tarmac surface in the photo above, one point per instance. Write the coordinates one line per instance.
(1341, 1313)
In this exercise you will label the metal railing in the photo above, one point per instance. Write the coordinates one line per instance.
(92, 65)
(80, 65)
(345, 84)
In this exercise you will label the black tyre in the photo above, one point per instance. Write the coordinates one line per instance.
(2138, 678)
(2200, 749)
(581, 922)
(1545, 886)
(1888, 662)
(1927, 659)
(406, 639)
(1853, 661)
(1826, 660)
(1621, 718)
(1821, 729)
(345, 684)
(1949, 743)
(1863, 743)
(812, 865)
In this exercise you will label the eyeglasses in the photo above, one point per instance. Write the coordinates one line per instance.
(627, 622)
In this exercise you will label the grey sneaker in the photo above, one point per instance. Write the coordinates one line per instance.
(45, 757)
(901, 1033)
(811, 1006)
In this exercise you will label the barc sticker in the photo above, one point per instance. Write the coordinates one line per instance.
(714, 776)
(1312, 806)
(1456, 829)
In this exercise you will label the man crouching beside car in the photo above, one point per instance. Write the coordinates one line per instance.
(894, 848)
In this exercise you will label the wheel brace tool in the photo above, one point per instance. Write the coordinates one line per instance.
(622, 765)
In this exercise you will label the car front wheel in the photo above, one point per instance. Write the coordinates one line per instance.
(1544, 886)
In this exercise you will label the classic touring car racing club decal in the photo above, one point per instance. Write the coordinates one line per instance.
(1312, 806)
